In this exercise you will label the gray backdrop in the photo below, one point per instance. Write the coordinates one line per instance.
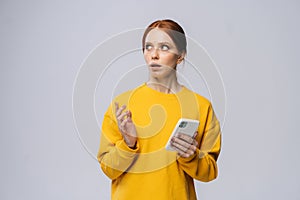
(255, 45)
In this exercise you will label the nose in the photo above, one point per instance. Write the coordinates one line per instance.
(154, 54)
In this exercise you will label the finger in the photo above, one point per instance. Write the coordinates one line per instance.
(195, 143)
(120, 118)
(116, 107)
(120, 110)
(183, 146)
(181, 142)
(188, 152)
(185, 137)
(179, 150)
(123, 126)
(182, 153)
(123, 123)
(129, 116)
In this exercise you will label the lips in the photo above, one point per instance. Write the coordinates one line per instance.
(155, 65)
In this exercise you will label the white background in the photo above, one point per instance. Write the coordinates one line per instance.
(255, 45)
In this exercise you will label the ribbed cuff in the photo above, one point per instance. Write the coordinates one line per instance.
(125, 148)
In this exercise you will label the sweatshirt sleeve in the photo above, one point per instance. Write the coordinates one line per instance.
(114, 156)
(202, 165)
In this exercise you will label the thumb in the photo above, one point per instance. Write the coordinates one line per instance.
(195, 134)
(129, 114)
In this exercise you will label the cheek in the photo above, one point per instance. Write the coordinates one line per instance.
(147, 57)
(169, 58)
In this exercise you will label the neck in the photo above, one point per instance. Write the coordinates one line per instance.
(166, 85)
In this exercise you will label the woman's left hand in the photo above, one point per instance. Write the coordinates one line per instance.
(185, 145)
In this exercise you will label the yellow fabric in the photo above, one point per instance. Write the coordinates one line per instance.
(149, 171)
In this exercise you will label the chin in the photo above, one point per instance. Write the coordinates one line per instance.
(155, 75)
(160, 73)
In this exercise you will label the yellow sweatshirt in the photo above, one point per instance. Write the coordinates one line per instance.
(149, 171)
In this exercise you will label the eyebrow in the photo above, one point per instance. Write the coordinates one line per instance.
(159, 43)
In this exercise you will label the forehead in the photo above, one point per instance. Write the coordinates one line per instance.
(157, 35)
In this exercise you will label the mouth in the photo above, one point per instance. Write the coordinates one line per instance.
(155, 65)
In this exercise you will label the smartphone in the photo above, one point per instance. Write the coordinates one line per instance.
(186, 126)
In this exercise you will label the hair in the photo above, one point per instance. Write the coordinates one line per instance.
(173, 29)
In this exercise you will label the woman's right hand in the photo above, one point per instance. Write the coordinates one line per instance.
(126, 125)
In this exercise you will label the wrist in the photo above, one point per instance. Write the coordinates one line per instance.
(132, 146)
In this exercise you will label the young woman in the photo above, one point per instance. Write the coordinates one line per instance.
(139, 122)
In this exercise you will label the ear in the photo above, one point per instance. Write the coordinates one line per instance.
(180, 57)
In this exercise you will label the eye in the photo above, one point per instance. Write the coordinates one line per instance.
(148, 47)
(165, 47)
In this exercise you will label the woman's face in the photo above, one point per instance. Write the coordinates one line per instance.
(160, 53)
